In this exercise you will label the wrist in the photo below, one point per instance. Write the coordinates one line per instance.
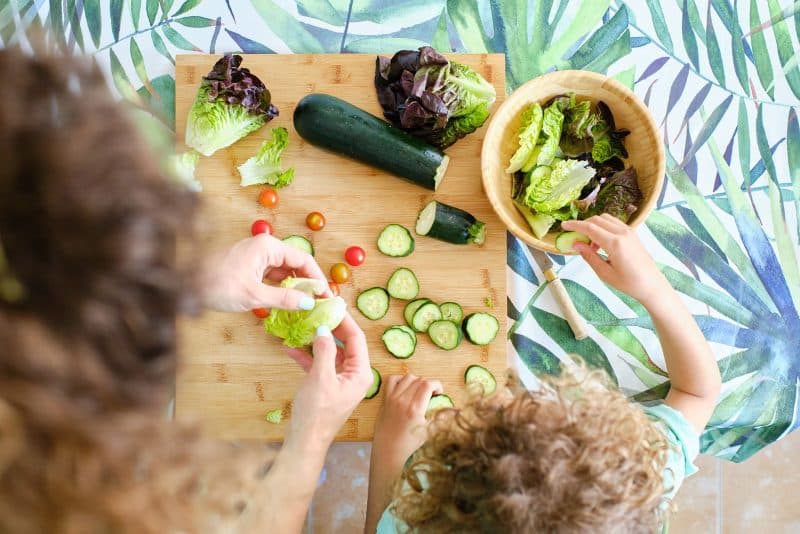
(658, 293)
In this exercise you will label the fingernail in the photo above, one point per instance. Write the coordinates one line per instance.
(323, 330)
(306, 303)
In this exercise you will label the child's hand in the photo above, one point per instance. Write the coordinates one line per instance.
(400, 428)
(629, 267)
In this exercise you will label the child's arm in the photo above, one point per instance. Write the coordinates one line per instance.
(693, 371)
(399, 431)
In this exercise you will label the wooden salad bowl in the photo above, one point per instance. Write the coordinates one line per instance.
(645, 149)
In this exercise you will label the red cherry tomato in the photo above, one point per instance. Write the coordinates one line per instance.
(340, 273)
(261, 227)
(268, 198)
(334, 288)
(261, 313)
(355, 256)
(315, 220)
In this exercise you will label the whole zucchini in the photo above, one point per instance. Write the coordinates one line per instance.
(332, 123)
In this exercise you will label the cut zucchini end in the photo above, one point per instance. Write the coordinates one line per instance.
(441, 171)
(426, 218)
(566, 240)
(477, 233)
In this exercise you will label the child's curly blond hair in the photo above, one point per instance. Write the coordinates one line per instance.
(573, 456)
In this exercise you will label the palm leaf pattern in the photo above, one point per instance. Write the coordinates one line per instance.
(722, 78)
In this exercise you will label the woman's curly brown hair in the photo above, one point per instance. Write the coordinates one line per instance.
(89, 227)
(572, 457)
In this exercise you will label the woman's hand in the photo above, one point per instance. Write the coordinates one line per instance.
(233, 279)
(628, 267)
(337, 380)
(400, 427)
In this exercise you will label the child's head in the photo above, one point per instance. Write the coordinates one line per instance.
(574, 456)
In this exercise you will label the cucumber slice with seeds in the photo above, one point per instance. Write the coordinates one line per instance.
(451, 312)
(299, 242)
(565, 240)
(480, 328)
(373, 303)
(444, 334)
(438, 402)
(375, 388)
(480, 375)
(399, 343)
(412, 307)
(403, 284)
(424, 316)
(410, 332)
(396, 241)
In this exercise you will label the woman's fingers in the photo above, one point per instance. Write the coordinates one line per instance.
(302, 357)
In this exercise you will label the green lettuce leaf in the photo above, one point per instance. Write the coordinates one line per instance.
(529, 131)
(182, 166)
(551, 126)
(231, 103)
(298, 327)
(265, 166)
(551, 191)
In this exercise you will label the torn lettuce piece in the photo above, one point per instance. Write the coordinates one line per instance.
(552, 122)
(298, 327)
(553, 190)
(265, 166)
(530, 128)
(182, 166)
(620, 196)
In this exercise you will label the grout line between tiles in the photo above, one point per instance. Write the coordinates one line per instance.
(719, 496)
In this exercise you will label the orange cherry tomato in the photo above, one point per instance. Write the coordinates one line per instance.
(355, 256)
(261, 313)
(268, 198)
(261, 227)
(315, 221)
(334, 288)
(340, 273)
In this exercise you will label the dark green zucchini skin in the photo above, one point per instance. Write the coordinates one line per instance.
(332, 123)
(455, 225)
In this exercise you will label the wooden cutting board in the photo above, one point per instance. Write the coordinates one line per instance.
(232, 372)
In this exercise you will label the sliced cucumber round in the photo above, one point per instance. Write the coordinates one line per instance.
(438, 402)
(373, 303)
(403, 284)
(410, 332)
(399, 343)
(451, 312)
(565, 240)
(396, 241)
(424, 316)
(375, 388)
(480, 328)
(476, 374)
(299, 242)
(412, 307)
(445, 334)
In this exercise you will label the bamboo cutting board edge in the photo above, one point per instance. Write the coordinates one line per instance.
(232, 373)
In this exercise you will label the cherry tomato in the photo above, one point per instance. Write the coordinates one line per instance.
(261, 227)
(355, 256)
(268, 198)
(334, 288)
(315, 220)
(261, 313)
(340, 273)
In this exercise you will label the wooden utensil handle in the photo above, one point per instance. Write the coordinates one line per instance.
(575, 320)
